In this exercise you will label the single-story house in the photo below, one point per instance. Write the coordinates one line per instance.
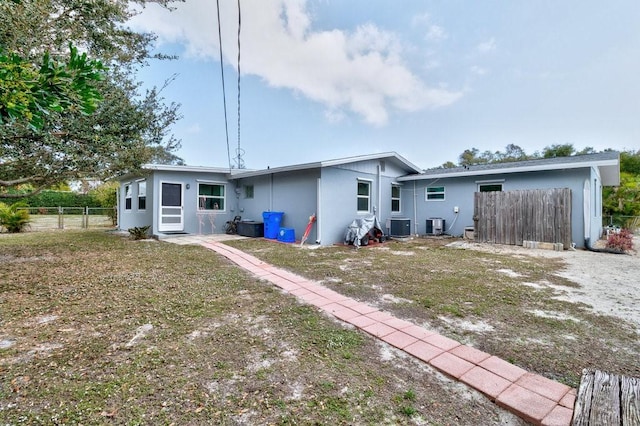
(404, 198)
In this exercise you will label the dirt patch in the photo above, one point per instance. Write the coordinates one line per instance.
(608, 283)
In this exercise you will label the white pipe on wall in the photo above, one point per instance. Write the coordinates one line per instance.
(319, 212)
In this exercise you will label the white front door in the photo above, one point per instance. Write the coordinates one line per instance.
(171, 211)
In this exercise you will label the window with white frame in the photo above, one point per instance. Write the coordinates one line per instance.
(364, 195)
(435, 193)
(395, 198)
(490, 187)
(142, 195)
(127, 196)
(211, 196)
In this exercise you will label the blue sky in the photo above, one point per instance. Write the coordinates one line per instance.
(325, 79)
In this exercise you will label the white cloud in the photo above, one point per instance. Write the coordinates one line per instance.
(433, 32)
(359, 71)
(475, 69)
(487, 46)
(436, 32)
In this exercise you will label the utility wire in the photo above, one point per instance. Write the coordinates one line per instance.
(224, 94)
(239, 151)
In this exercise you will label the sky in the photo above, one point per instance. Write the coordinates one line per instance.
(327, 79)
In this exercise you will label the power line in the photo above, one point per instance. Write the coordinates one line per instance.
(224, 94)
(239, 151)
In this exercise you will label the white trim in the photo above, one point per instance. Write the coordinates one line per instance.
(224, 197)
(358, 196)
(128, 197)
(488, 183)
(443, 192)
(399, 198)
(217, 182)
(171, 226)
(139, 181)
(491, 181)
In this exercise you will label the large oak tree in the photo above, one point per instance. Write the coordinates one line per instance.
(81, 115)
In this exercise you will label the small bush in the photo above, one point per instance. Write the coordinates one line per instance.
(139, 232)
(12, 218)
(621, 241)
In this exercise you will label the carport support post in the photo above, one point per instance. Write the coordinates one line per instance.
(60, 217)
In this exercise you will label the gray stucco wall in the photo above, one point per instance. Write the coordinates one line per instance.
(194, 223)
(459, 192)
(339, 196)
(294, 193)
(135, 217)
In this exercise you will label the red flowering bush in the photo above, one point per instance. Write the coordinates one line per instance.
(622, 241)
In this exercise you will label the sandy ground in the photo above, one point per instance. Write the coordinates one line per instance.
(609, 283)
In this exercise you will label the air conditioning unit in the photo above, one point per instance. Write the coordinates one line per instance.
(435, 226)
(400, 227)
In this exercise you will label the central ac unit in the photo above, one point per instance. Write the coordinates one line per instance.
(435, 226)
(400, 227)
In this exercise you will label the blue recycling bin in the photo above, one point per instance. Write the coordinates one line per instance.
(272, 222)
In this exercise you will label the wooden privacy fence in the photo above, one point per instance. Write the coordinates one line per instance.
(512, 217)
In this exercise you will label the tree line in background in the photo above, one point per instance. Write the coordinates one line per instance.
(66, 115)
(618, 201)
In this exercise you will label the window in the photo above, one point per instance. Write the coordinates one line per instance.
(395, 198)
(248, 191)
(489, 187)
(435, 193)
(210, 196)
(364, 195)
(127, 197)
(142, 195)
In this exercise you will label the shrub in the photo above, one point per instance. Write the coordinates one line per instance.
(12, 218)
(139, 232)
(621, 241)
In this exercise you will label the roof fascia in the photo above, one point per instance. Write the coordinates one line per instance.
(509, 170)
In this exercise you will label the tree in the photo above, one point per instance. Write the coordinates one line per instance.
(630, 162)
(512, 152)
(624, 200)
(126, 129)
(470, 157)
(448, 165)
(558, 150)
(31, 91)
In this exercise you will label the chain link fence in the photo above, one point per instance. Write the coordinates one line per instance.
(45, 218)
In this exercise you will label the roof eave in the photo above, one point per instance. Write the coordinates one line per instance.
(609, 165)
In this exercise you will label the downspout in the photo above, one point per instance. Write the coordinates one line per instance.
(415, 209)
(379, 192)
(319, 212)
(271, 192)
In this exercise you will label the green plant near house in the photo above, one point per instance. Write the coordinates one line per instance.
(12, 218)
(139, 232)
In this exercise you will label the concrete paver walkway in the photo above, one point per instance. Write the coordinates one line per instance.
(534, 398)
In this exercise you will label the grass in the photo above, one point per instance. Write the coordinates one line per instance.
(223, 346)
(477, 298)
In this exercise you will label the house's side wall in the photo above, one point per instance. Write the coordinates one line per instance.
(197, 221)
(339, 196)
(459, 193)
(294, 193)
(135, 217)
